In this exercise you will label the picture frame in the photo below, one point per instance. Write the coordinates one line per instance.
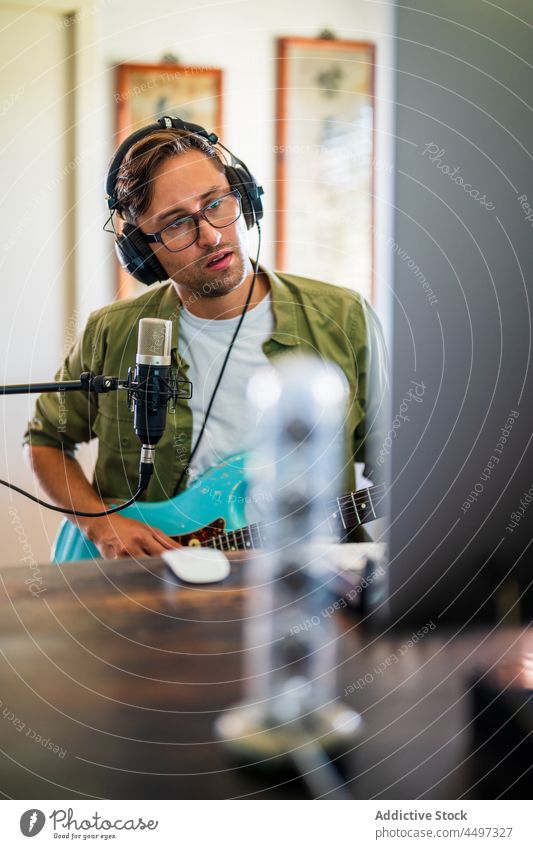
(324, 150)
(145, 93)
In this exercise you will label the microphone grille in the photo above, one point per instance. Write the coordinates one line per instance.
(154, 341)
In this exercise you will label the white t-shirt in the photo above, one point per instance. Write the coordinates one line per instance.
(203, 344)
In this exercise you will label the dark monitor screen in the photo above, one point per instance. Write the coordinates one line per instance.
(461, 467)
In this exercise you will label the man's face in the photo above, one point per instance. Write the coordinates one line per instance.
(182, 185)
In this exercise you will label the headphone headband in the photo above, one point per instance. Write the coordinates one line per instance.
(168, 122)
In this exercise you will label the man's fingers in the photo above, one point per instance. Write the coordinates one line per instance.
(136, 547)
(152, 548)
(165, 540)
(133, 550)
(154, 545)
(139, 541)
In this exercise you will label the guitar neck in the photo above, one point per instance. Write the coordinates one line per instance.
(346, 513)
(356, 508)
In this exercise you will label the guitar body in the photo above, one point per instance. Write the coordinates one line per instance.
(215, 503)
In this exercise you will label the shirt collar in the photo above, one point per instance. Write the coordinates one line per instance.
(283, 307)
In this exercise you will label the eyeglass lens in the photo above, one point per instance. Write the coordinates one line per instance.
(219, 213)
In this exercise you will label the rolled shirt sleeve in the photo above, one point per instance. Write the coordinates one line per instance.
(64, 419)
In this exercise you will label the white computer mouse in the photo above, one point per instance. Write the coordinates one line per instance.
(198, 565)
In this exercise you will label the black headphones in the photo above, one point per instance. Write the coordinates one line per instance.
(133, 251)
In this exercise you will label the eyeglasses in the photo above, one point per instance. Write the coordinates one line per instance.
(183, 232)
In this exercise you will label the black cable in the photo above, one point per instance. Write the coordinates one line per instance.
(72, 512)
(224, 364)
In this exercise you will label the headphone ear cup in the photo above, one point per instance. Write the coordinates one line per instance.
(240, 178)
(137, 258)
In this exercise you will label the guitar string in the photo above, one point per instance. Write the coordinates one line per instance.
(337, 504)
(348, 500)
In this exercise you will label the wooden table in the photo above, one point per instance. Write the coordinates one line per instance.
(112, 674)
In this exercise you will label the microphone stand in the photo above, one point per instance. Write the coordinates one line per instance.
(98, 383)
(88, 383)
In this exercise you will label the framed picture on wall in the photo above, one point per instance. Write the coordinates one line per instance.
(324, 160)
(145, 93)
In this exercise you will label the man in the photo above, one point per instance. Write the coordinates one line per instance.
(173, 188)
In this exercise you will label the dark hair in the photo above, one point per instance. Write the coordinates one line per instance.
(134, 184)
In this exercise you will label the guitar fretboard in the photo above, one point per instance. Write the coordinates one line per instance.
(347, 512)
(356, 508)
(249, 537)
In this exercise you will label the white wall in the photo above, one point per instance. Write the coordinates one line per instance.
(33, 250)
(48, 230)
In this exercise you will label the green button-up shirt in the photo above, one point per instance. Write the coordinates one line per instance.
(309, 316)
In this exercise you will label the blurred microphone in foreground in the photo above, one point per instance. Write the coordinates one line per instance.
(291, 715)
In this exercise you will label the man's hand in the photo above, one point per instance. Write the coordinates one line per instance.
(115, 536)
(118, 536)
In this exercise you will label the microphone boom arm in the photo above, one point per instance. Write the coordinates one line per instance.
(97, 383)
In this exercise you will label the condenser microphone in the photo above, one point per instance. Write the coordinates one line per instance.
(151, 389)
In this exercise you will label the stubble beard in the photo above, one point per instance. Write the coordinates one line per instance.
(200, 285)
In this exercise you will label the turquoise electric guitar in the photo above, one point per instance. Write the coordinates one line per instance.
(212, 513)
